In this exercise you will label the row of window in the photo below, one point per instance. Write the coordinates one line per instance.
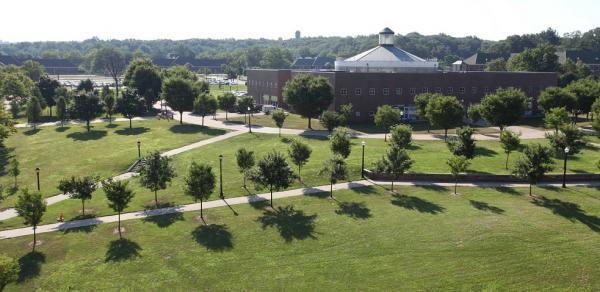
(413, 90)
(267, 84)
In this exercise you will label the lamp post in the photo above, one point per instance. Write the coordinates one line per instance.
(37, 173)
(139, 149)
(221, 176)
(564, 185)
(249, 120)
(362, 165)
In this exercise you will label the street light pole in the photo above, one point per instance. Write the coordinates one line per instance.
(37, 172)
(221, 175)
(249, 120)
(362, 165)
(139, 149)
(564, 185)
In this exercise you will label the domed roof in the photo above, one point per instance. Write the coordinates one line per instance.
(385, 54)
(386, 30)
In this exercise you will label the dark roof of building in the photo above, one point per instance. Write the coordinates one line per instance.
(46, 62)
(480, 58)
(386, 30)
(315, 62)
(9, 60)
(588, 57)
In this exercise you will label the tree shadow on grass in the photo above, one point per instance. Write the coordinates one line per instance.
(435, 188)
(366, 190)
(483, 206)
(121, 250)
(111, 126)
(570, 211)
(290, 223)
(354, 210)
(132, 131)
(87, 136)
(5, 156)
(507, 190)
(31, 265)
(482, 151)
(417, 204)
(319, 194)
(163, 221)
(215, 237)
(195, 129)
(61, 129)
(31, 132)
(92, 224)
(258, 202)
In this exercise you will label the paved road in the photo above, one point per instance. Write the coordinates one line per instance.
(242, 200)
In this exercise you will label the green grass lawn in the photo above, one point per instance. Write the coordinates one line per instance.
(105, 151)
(294, 121)
(368, 239)
(429, 156)
(216, 90)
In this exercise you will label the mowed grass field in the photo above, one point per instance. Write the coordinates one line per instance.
(429, 156)
(106, 151)
(421, 239)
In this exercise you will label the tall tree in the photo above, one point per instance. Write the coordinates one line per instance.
(335, 169)
(340, 143)
(272, 172)
(542, 58)
(131, 105)
(61, 109)
(86, 106)
(386, 117)
(421, 101)
(308, 95)
(571, 71)
(156, 173)
(245, 162)
(227, 103)
(331, 120)
(145, 78)
(109, 102)
(79, 188)
(34, 111)
(119, 195)
(200, 183)
(556, 97)
(458, 165)
(7, 125)
(395, 162)
(533, 165)
(48, 88)
(510, 141)
(445, 112)
(556, 118)
(31, 207)
(278, 117)
(179, 95)
(586, 91)
(504, 108)
(299, 152)
(204, 105)
(110, 61)
(9, 271)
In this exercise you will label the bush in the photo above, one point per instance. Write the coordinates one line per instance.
(463, 144)
(401, 135)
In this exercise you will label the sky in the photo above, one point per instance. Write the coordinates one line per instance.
(63, 20)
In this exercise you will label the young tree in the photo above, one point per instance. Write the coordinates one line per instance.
(533, 165)
(510, 141)
(272, 172)
(474, 113)
(86, 85)
(131, 105)
(111, 61)
(61, 109)
(421, 101)
(299, 152)
(179, 95)
(556, 118)
(7, 125)
(331, 120)
(340, 143)
(346, 112)
(245, 162)
(568, 136)
(586, 92)
(227, 103)
(401, 136)
(200, 183)
(9, 271)
(48, 87)
(109, 103)
(504, 108)
(31, 207)
(463, 144)
(308, 95)
(118, 195)
(457, 164)
(80, 188)
(205, 104)
(335, 169)
(156, 173)
(14, 170)
(386, 117)
(86, 106)
(34, 111)
(243, 103)
(556, 97)
(278, 117)
(395, 162)
(445, 112)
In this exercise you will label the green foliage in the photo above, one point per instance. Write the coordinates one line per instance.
(395, 162)
(227, 102)
(505, 107)
(86, 85)
(109, 102)
(48, 89)
(179, 94)
(79, 188)
(86, 106)
(200, 181)
(245, 162)
(340, 143)
(556, 118)
(31, 207)
(331, 120)
(510, 141)
(180, 72)
(401, 136)
(145, 78)
(119, 195)
(421, 100)
(567, 136)
(463, 144)
(61, 109)
(299, 153)
(596, 107)
(7, 126)
(542, 58)
(445, 112)
(496, 65)
(34, 111)
(346, 112)
(245, 102)
(111, 61)
(205, 104)
(156, 173)
(387, 116)
(276, 57)
(556, 97)
(586, 91)
(533, 165)
(9, 271)
(131, 105)
(458, 164)
(273, 172)
(16, 84)
(474, 112)
(15, 108)
(308, 95)
(33, 70)
(13, 169)
(278, 117)
(335, 169)
(571, 71)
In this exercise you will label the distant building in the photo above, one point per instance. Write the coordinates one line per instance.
(590, 58)
(477, 61)
(313, 63)
(196, 65)
(386, 75)
(53, 66)
(297, 35)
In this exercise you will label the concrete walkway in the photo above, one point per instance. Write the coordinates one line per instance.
(12, 233)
